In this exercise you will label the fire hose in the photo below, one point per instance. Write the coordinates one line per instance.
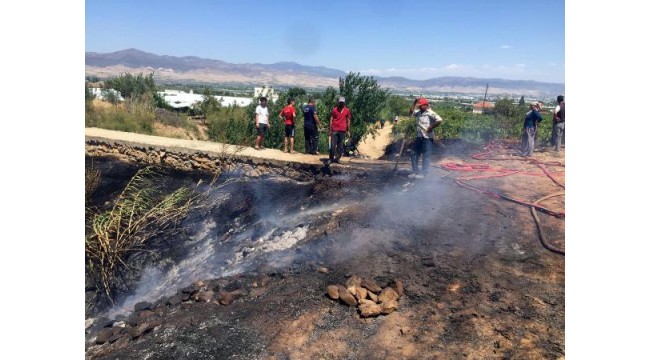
(542, 237)
(534, 206)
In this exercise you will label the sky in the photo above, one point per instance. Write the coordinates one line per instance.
(508, 39)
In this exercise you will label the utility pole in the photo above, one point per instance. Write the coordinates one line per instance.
(485, 96)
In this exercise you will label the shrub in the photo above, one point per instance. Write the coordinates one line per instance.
(140, 214)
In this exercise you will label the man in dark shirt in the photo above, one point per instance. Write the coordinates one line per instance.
(531, 121)
(558, 123)
(312, 123)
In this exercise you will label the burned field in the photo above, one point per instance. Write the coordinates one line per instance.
(248, 275)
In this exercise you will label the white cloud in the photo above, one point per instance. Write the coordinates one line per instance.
(520, 65)
(505, 47)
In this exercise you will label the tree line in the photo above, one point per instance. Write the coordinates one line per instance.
(367, 100)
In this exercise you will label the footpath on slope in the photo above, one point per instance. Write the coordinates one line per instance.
(210, 147)
(375, 147)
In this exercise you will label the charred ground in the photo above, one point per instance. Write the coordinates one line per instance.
(478, 284)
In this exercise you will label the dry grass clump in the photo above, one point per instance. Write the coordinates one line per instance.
(93, 177)
(140, 213)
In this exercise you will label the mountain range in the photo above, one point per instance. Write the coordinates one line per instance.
(192, 69)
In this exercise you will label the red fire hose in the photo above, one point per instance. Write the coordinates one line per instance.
(498, 172)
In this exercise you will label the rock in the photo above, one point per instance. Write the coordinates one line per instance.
(322, 270)
(227, 297)
(353, 290)
(205, 296)
(354, 280)
(145, 314)
(120, 323)
(361, 293)
(369, 309)
(142, 329)
(388, 306)
(261, 281)
(143, 305)
(117, 335)
(333, 292)
(104, 335)
(346, 297)
(160, 303)
(133, 320)
(373, 296)
(103, 322)
(89, 322)
(184, 296)
(398, 285)
(371, 285)
(191, 289)
(174, 300)
(388, 294)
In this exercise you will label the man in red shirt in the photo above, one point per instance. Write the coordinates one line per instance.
(339, 127)
(288, 114)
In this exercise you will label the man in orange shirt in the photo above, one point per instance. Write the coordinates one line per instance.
(288, 114)
(339, 127)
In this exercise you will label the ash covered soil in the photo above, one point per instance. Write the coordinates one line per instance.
(248, 276)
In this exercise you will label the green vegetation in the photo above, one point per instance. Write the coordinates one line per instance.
(140, 214)
(504, 122)
(141, 109)
(367, 101)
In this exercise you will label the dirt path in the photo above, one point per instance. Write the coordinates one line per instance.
(373, 147)
(245, 152)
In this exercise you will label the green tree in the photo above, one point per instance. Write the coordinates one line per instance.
(508, 117)
(365, 99)
(111, 96)
(395, 105)
(296, 92)
(132, 86)
(89, 94)
(210, 105)
(522, 101)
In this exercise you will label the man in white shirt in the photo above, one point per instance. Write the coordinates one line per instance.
(425, 121)
(261, 123)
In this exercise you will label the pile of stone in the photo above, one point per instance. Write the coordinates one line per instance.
(370, 298)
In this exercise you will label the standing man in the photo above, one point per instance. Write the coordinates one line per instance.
(425, 121)
(261, 123)
(558, 123)
(339, 127)
(312, 123)
(531, 121)
(288, 114)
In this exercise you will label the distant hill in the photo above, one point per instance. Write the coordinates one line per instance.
(198, 70)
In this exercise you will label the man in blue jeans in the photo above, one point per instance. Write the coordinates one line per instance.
(425, 121)
(531, 121)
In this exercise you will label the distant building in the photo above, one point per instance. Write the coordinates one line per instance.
(265, 91)
(100, 93)
(480, 107)
(180, 99)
